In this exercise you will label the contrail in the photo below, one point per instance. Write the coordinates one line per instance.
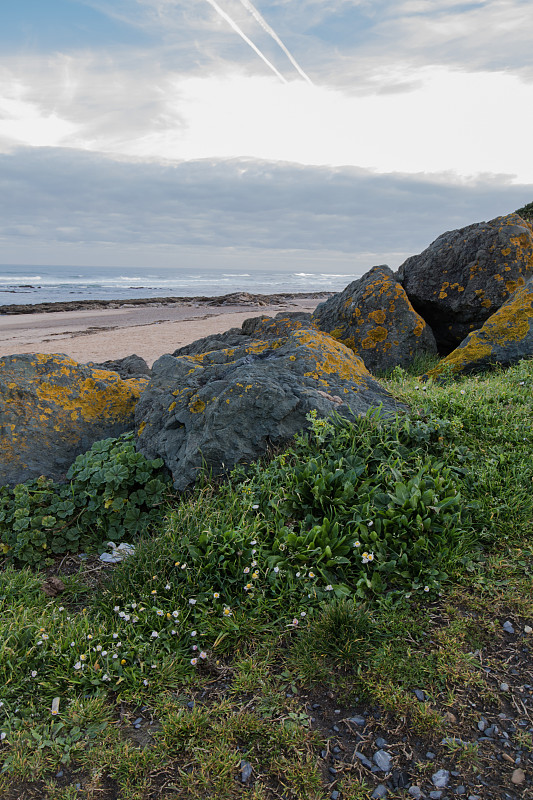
(266, 27)
(245, 38)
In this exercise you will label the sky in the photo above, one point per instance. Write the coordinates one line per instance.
(326, 133)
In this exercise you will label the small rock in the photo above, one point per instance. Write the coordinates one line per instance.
(416, 792)
(383, 760)
(380, 742)
(420, 695)
(504, 687)
(335, 728)
(332, 771)
(441, 778)
(138, 721)
(508, 627)
(323, 754)
(460, 790)
(379, 791)
(483, 724)
(436, 794)
(528, 629)
(430, 756)
(360, 721)
(518, 777)
(335, 795)
(474, 797)
(363, 759)
(246, 771)
(59, 774)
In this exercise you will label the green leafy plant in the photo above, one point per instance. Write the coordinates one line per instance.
(113, 492)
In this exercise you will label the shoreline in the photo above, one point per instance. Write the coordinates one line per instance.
(107, 330)
(234, 298)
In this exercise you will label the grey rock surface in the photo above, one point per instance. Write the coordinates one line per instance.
(52, 409)
(465, 275)
(374, 317)
(225, 407)
(129, 367)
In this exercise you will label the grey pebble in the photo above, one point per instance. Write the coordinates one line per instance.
(137, 727)
(441, 778)
(335, 795)
(379, 791)
(430, 756)
(60, 774)
(190, 704)
(380, 742)
(435, 795)
(335, 728)
(246, 771)
(460, 790)
(416, 792)
(507, 626)
(138, 721)
(361, 721)
(332, 771)
(383, 760)
(323, 754)
(363, 759)
(483, 724)
(504, 687)
(420, 695)
(474, 797)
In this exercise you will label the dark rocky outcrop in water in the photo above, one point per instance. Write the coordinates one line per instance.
(227, 406)
(465, 275)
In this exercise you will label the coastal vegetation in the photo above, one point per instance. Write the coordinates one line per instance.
(366, 573)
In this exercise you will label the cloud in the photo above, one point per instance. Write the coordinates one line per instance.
(83, 199)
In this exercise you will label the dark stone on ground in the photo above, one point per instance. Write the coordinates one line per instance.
(374, 317)
(465, 275)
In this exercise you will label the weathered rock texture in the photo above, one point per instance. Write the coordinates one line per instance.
(129, 367)
(52, 409)
(465, 275)
(227, 406)
(262, 327)
(374, 317)
(505, 338)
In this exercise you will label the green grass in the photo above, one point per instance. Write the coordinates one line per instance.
(254, 598)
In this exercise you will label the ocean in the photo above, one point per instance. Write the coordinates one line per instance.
(52, 284)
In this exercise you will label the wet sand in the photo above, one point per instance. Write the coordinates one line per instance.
(149, 328)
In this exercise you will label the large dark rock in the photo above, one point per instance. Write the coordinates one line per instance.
(128, 367)
(505, 338)
(52, 409)
(262, 327)
(374, 317)
(465, 275)
(223, 407)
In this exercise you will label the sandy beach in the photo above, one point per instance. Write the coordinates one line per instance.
(101, 334)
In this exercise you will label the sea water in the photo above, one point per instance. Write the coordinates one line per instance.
(52, 284)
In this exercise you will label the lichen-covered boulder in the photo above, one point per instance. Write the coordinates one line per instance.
(505, 338)
(52, 409)
(465, 275)
(262, 327)
(128, 367)
(224, 407)
(374, 317)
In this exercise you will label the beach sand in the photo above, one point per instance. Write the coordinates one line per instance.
(102, 334)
